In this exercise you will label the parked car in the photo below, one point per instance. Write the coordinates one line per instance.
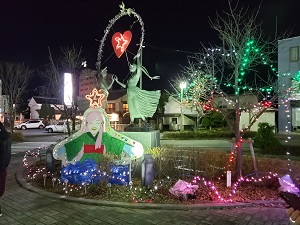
(61, 126)
(30, 124)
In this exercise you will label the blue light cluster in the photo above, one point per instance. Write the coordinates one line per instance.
(119, 174)
(88, 172)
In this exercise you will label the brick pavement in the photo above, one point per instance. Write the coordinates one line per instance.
(20, 206)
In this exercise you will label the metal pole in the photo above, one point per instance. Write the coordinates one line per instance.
(181, 110)
(253, 155)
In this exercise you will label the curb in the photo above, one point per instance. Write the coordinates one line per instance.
(215, 206)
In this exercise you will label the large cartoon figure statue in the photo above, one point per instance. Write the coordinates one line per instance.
(82, 152)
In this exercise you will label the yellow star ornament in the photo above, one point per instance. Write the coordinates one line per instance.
(97, 97)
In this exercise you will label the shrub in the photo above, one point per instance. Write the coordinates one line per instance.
(213, 119)
(205, 122)
(266, 141)
(204, 134)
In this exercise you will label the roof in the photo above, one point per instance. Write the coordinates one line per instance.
(46, 100)
(116, 94)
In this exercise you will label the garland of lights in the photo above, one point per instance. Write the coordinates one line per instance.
(250, 48)
(137, 193)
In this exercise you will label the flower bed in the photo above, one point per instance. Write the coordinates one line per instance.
(204, 168)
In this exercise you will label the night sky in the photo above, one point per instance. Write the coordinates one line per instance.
(173, 30)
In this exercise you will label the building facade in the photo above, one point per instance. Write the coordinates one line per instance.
(289, 97)
(87, 82)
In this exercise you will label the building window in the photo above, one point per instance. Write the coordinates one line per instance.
(110, 107)
(294, 54)
(174, 120)
(125, 107)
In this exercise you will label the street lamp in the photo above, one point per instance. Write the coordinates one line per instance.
(182, 86)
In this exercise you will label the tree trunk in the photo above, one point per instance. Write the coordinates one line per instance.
(11, 117)
(239, 151)
(239, 157)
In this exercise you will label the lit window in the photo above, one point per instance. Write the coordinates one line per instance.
(294, 54)
(110, 107)
(125, 107)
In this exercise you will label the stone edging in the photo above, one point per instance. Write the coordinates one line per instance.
(21, 180)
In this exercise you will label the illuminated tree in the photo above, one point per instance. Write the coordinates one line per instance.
(245, 49)
(243, 65)
(15, 78)
(199, 90)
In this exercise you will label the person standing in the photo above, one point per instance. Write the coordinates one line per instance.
(5, 156)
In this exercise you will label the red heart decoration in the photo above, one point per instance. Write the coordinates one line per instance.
(120, 42)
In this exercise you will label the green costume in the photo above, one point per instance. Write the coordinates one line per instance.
(112, 146)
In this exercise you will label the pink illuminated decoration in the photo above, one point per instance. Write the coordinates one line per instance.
(120, 42)
(97, 97)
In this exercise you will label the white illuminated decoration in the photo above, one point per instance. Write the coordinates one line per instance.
(68, 89)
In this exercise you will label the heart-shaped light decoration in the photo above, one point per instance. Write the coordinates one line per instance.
(120, 42)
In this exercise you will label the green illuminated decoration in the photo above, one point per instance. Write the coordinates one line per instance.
(297, 77)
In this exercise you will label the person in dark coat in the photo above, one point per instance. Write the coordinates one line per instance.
(5, 156)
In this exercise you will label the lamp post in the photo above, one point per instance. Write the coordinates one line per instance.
(182, 86)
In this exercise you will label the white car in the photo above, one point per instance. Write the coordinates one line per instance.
(30, 124)
(61, 127)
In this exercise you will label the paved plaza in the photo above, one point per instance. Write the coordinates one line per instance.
(21, 206)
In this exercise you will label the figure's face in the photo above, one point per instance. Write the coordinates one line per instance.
(95, 125)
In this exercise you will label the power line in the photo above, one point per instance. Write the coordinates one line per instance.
(170, 49)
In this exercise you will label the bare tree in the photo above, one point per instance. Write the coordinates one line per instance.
(245, 48)
(15, 78)
(69, 61)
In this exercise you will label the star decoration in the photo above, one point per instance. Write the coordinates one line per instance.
(121, 42)
(97, 97)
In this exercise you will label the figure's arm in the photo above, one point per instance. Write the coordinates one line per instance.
(140, 69)
(120, 83)
(146, 72)
(111, 84)
(77, 157)
(116, 146)
(135, 151)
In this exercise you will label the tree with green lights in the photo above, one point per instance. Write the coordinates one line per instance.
(242, 68)
(246, 51)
